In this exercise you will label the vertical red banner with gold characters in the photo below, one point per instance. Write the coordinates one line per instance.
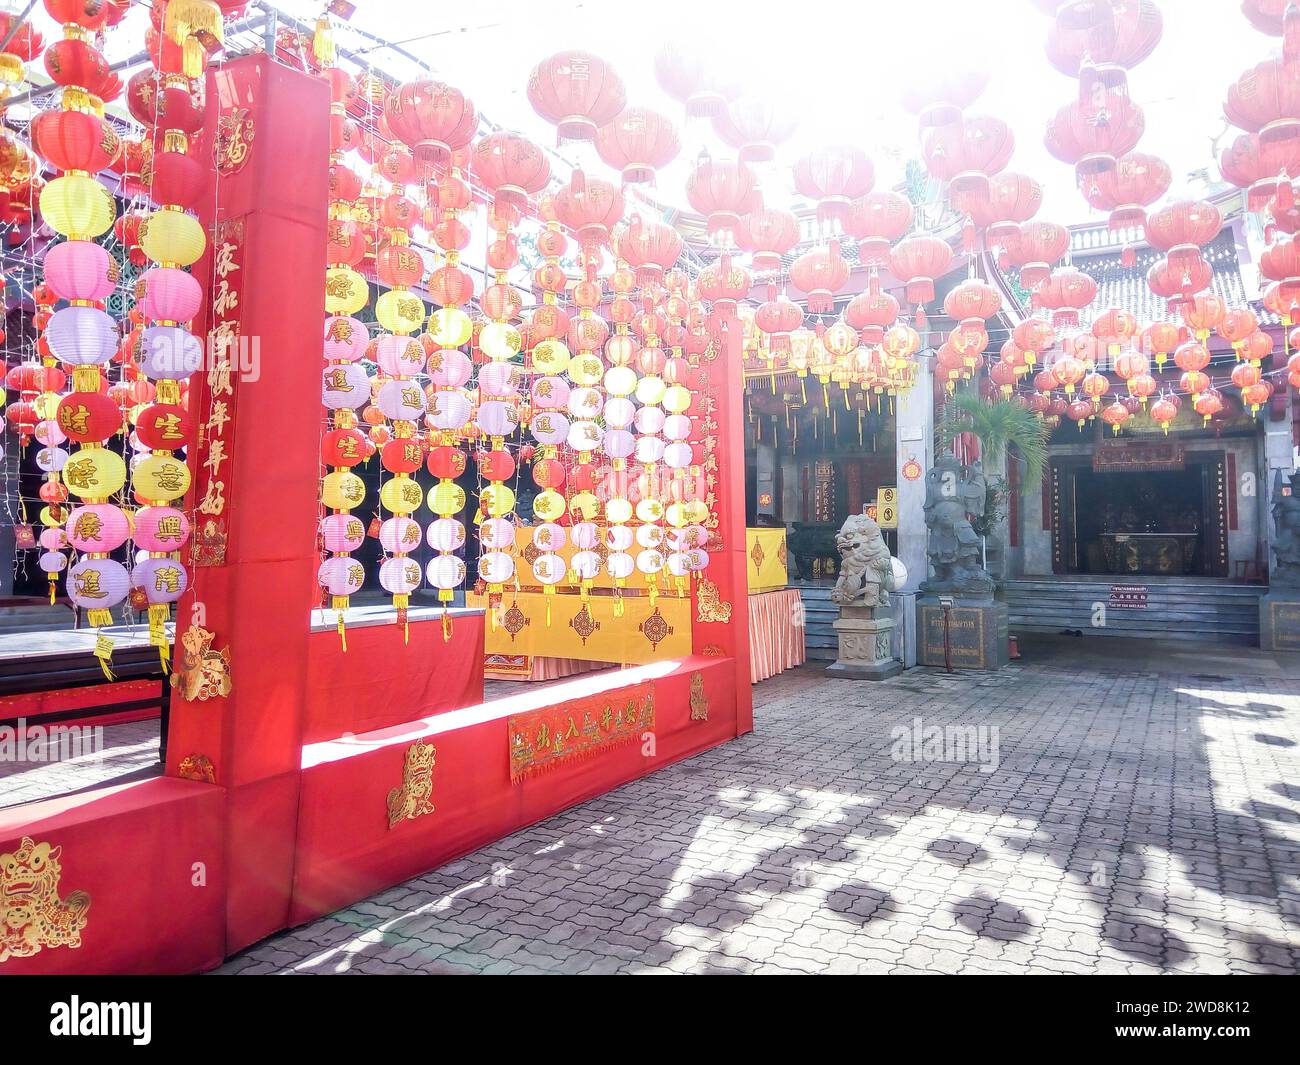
(242, 628)
(720, 620)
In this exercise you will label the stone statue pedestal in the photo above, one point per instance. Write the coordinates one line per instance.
(865, 646)
(977, 633)
(1279, 620)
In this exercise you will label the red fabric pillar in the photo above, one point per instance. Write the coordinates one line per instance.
(720, 624)
(255, 468)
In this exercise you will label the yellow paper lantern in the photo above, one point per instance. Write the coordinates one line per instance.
(550, 356)
(346, 291)
(161, 478)
(677, 515)
(342, 490)
(400, 311)
(649, 511)
(450, 327)
(498, 500)
(401, 495)
(78, 206)
(447, 499)
(48, 518)
(620, 381)
(548, 505)
(586, 370)
(500, 340)
(172, 237)
(584, 506)
(677, 399)
(94, 473)
(650, 390)
(618, 510)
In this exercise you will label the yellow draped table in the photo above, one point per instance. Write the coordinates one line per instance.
(776, 620)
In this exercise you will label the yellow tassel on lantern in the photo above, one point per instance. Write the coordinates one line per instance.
(618, 597)
(159, 615)
(550, 594)
(183, 21)
(340, 603)
(322, 43)
(52, 589)
(446, 625)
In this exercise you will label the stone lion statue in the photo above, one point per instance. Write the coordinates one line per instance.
(866, 568)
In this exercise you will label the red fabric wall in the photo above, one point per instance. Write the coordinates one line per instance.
(137, 850)
(381, 681)
(346, 850)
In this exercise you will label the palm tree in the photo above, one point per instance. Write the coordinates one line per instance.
(998, 424)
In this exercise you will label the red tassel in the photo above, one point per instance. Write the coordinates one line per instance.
(1128, 257)
(968, 235)
(921, 320)
(1285, 195)
(578, 183)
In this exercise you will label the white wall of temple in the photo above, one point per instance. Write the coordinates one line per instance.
(1033, 556)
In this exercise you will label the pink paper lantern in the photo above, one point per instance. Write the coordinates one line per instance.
(345, 339)
(80, 270)
(97, 527)
(97, 583)
(342, 532)
(165, 293)
(161, 529)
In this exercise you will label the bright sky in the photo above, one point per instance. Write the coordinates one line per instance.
(838, 64)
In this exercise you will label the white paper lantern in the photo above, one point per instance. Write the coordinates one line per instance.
(446, 534)
(446, 572)
(497, 534)
(496, 567)
(345, 386)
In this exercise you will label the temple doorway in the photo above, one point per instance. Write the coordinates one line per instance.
(1165, 522)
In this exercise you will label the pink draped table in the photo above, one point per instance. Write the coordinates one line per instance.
(775, 640)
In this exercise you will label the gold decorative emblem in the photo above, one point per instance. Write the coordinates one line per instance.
(32, 915)
(532, 553)
(414, 798)
(202, 673)
(514, 620)
(708, 605)
(712, 650)
(757, 556)
(197, 767)
(655, 628)
(210, 543)
(234, 141)
(583, 623)
(699, 701)
(783, 554)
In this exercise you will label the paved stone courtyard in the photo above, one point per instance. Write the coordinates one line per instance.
(1137, 822)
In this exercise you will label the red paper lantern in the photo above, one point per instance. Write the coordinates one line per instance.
(1034, 247)
(1180, 229)
(1065, 292)
(819, 272)
(968, 152)
(972, 301)
(1137, 181)
(722, 191)
(1010, 200)
(767, 234)
(510, 166)
(754, 126)
(693, 78)
(638, 142)
(339, 447)
(1280, 261)
(73, 62)
(432, 118)
(1109, 40)
(917, 261)
(877, 220)
(834, 176)
(1180, 282)
(88, 417)
(1266, 100)
(74, 140)
(724, 283)
(1092, 136)
(649, 248)
(576, 92)
(590, 208)
(871, 313)
(1259, 166)
(937, 93)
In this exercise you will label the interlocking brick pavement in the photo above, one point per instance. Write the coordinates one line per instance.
(1136, 822)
